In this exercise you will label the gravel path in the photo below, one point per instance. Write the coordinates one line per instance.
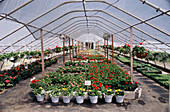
(21, 99)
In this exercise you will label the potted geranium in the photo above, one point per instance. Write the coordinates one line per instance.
(38, 88)
(66, 95)
(140, 51)
(125, 49)
(94, 94)
(119, 94)
(80, 95)
(108, 95)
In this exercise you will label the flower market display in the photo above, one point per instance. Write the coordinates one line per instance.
(105, 80)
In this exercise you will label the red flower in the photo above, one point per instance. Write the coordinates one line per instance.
(7, 81)
(94, 85)
(37, 80)
(5, 73)
(96, 88)
(15, 77)
(146, 50)
(109, 85)
(1, 75)
(136, 82)
(130, 83)
(34, 82)
(126, 82)
(91, 84)
(111, 76)
(10, 77)
(100, 84)
(34, 66)
(126, 77)
(95, 70)
(56, 46)
(91, 78)
(140, 43)
(110, 79)
(15, 68)
(138, 46)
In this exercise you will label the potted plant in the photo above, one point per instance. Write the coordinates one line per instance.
(119, 94)
(54, 94)
(37, 86)
(108, 95)
(125, 49)
(93, 95)
(66, 95)
(80, 95)
(140, 51)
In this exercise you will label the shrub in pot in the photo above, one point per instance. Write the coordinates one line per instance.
(93, 95)
(54, 94)
(66, 95)
(140, 51)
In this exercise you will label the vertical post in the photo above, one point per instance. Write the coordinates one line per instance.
(42, 53)
(69, 48)
(131, 57)
(112, 50)
(82, 46)
(107, 50)
(63, 51)
(104, 48)
(78, 47)
(72, 48)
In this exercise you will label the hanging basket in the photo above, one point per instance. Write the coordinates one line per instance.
(141, 55)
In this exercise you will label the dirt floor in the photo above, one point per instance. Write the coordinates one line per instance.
(20, 98)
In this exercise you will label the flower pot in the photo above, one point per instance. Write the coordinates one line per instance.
(55, 99)
(40, 97)
(108, 98)
(93, 99)
(141, 55)
(79, 99)
(66, 99)
(119, 99)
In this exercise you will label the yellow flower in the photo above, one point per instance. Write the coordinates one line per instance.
(41, 88)
(64, 89)
(56, 88)
(116, 90)
(83, 89)
(110, 90)
(59, 89)
(117, 93)
(89, 90)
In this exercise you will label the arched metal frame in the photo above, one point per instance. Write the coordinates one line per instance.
(103, 11)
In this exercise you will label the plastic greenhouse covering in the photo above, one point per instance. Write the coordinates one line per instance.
(83, 20)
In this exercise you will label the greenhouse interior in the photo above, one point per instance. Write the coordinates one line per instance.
(84, 55)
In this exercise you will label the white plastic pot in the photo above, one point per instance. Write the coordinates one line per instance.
(79, 99)
(119, 99)
(93, 99)
(66, 99)
(108, 98)
(40, 97)
(55, 99)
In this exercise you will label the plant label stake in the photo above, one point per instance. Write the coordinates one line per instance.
(87, 83)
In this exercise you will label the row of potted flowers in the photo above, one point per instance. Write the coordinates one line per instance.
(105, 78)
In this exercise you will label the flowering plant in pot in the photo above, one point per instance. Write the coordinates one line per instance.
(54, 94)
(80, 95)
(108, 95)
(140, 51)
(66, 94)
(119, 94)
(94, 94)
(38, 87)
(125, 49)
(57, 49)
